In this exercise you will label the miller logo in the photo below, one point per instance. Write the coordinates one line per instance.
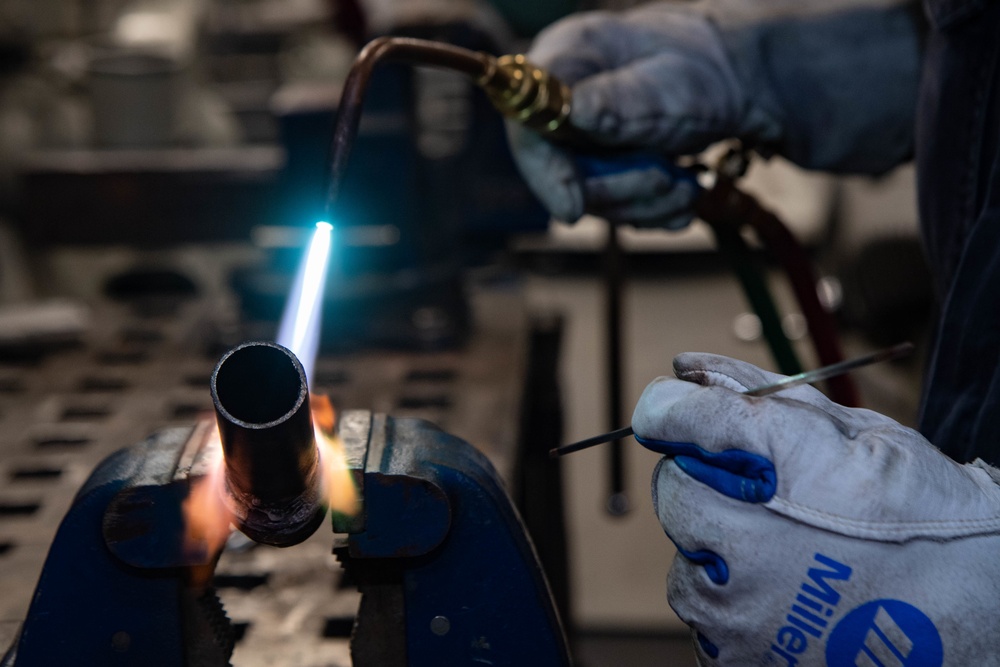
(880, 633)
(885, 633)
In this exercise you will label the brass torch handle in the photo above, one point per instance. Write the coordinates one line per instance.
(527, 94)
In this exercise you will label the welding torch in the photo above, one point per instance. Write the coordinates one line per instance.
(533, 97)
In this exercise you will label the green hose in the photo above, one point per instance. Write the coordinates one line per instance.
(751, 277)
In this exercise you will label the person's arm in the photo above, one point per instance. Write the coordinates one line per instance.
(828, 88)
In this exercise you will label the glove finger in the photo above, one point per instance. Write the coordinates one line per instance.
(549, 172)
(579, 46)
(675, 102)
(719, 420)
(728, 617)
(693, 517)
(727, 466)
(582, 45)
(716, 370)
(680, 597)
(736, 445)
(622, 187)
(670, 209)
(649, 76)
(701, 524)
(684, 601)
(798, 460)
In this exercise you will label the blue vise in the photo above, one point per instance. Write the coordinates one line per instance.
(447, 573)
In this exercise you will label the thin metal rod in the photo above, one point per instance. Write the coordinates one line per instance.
(809, 377)
(617, 435)
(833, 370)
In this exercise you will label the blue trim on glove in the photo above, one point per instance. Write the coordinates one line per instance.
(592, 166)
(735, 473)
(710, 649)
(715, 566)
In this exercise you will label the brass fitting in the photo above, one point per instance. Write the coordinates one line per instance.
(527, 94)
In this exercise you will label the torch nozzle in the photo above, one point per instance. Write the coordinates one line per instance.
(271, 462)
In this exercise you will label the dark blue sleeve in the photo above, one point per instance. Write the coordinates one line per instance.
(842, 82)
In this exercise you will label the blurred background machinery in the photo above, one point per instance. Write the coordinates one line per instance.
(161, 162)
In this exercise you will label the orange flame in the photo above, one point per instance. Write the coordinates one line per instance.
(339, 490)
(206, 518)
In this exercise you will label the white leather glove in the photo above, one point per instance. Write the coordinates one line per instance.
(825, 84)
(813, 534)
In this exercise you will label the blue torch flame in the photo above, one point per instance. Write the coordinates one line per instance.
(300, 323)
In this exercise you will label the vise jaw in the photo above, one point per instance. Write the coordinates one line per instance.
(118, 586)
(447, 573)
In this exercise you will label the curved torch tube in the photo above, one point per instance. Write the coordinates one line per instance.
(272, 471)
(518, 89)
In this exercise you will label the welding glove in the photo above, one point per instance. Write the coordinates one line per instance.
(809, 533)
(827, 88)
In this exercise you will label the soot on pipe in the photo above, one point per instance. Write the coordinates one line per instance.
(271, 463)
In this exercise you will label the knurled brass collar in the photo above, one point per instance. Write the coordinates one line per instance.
(527, 93)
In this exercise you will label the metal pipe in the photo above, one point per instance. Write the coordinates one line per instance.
(271, 462)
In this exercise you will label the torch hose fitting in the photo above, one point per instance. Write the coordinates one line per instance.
(527, 94)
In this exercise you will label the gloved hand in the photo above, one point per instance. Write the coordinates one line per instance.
(828, 89)
(809, 533)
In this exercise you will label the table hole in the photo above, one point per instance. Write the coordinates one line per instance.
(11, 385)
(96, 384)
(122, 357)
(338, 626)
(84, 413)
(18, 509)
(40, 473)
(189, 410)
(240, 630)
(432, 375)
(439, 401)
(197, 381)
(331, 378)
(142, 335)
(243, 582)
(61, 441)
